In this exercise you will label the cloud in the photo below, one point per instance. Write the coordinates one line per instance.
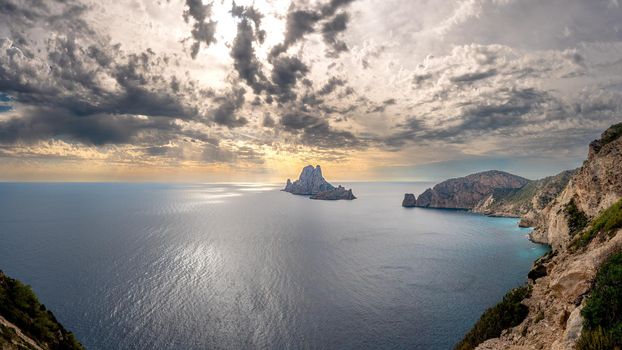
(225, 113)
(331, 85)
(286, 71)
(316, 131)
(94, 129)
(245, 62)
(268, 121)
(203, 29)
(300, 22)
(331, 31)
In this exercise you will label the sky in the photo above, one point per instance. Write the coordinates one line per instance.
(373, 90)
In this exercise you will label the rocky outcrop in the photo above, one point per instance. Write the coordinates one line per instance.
(312, 183)
(335, 194)
(469, 192)
(562, 280)
(594, 187)
(409, 201)
(309, 182)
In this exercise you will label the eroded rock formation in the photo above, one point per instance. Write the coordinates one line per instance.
(312, 183)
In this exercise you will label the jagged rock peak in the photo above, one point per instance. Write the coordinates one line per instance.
(312, 183)
(309, 182)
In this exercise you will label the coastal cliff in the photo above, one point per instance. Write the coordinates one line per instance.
(494, 193)
(573, 299)
(26, 324)
(469, 191)
(312, 183)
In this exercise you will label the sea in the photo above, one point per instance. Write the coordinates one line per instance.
(247, 266)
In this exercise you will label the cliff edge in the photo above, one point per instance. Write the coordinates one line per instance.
(27, 324)
(573, 298)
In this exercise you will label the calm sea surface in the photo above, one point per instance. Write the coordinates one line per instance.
(222, 266)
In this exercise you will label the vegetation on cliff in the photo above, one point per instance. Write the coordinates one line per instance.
(577, 220)
(611, 134)
(602, 313)
(607, 222)
(20, 306)
(535, 195)
(508, 313)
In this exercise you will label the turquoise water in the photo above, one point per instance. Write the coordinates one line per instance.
(244, 266)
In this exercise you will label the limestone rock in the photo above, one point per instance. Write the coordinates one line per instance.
(409, 200)
(312, 183)
(335, 194)
(594, 187)
(309, 183)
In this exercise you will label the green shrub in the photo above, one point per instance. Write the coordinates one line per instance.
(602, 314)
(20, 306)
(611, 134)
(510, 312)
(577, 220)
(608, 221)
(596, 339)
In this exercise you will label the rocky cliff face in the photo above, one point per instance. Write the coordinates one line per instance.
(583, 225)
(312, 183)
(526, 202)
(594, 187)
(468, 192)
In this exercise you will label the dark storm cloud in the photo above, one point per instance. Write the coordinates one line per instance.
(300, 22)
(83, 88)
(96, 129)
(330, 32)
(512, 113)
(71, 81)
(268, 121)
(285, 73)
(331, 85)
(506, 110)
(203, 29)
(249, 31)
(471, 77)
(97, 94)
(316, 132)
(383, 106)
(225, 113)
(65, 15)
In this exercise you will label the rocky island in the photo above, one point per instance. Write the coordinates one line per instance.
(312, 183)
